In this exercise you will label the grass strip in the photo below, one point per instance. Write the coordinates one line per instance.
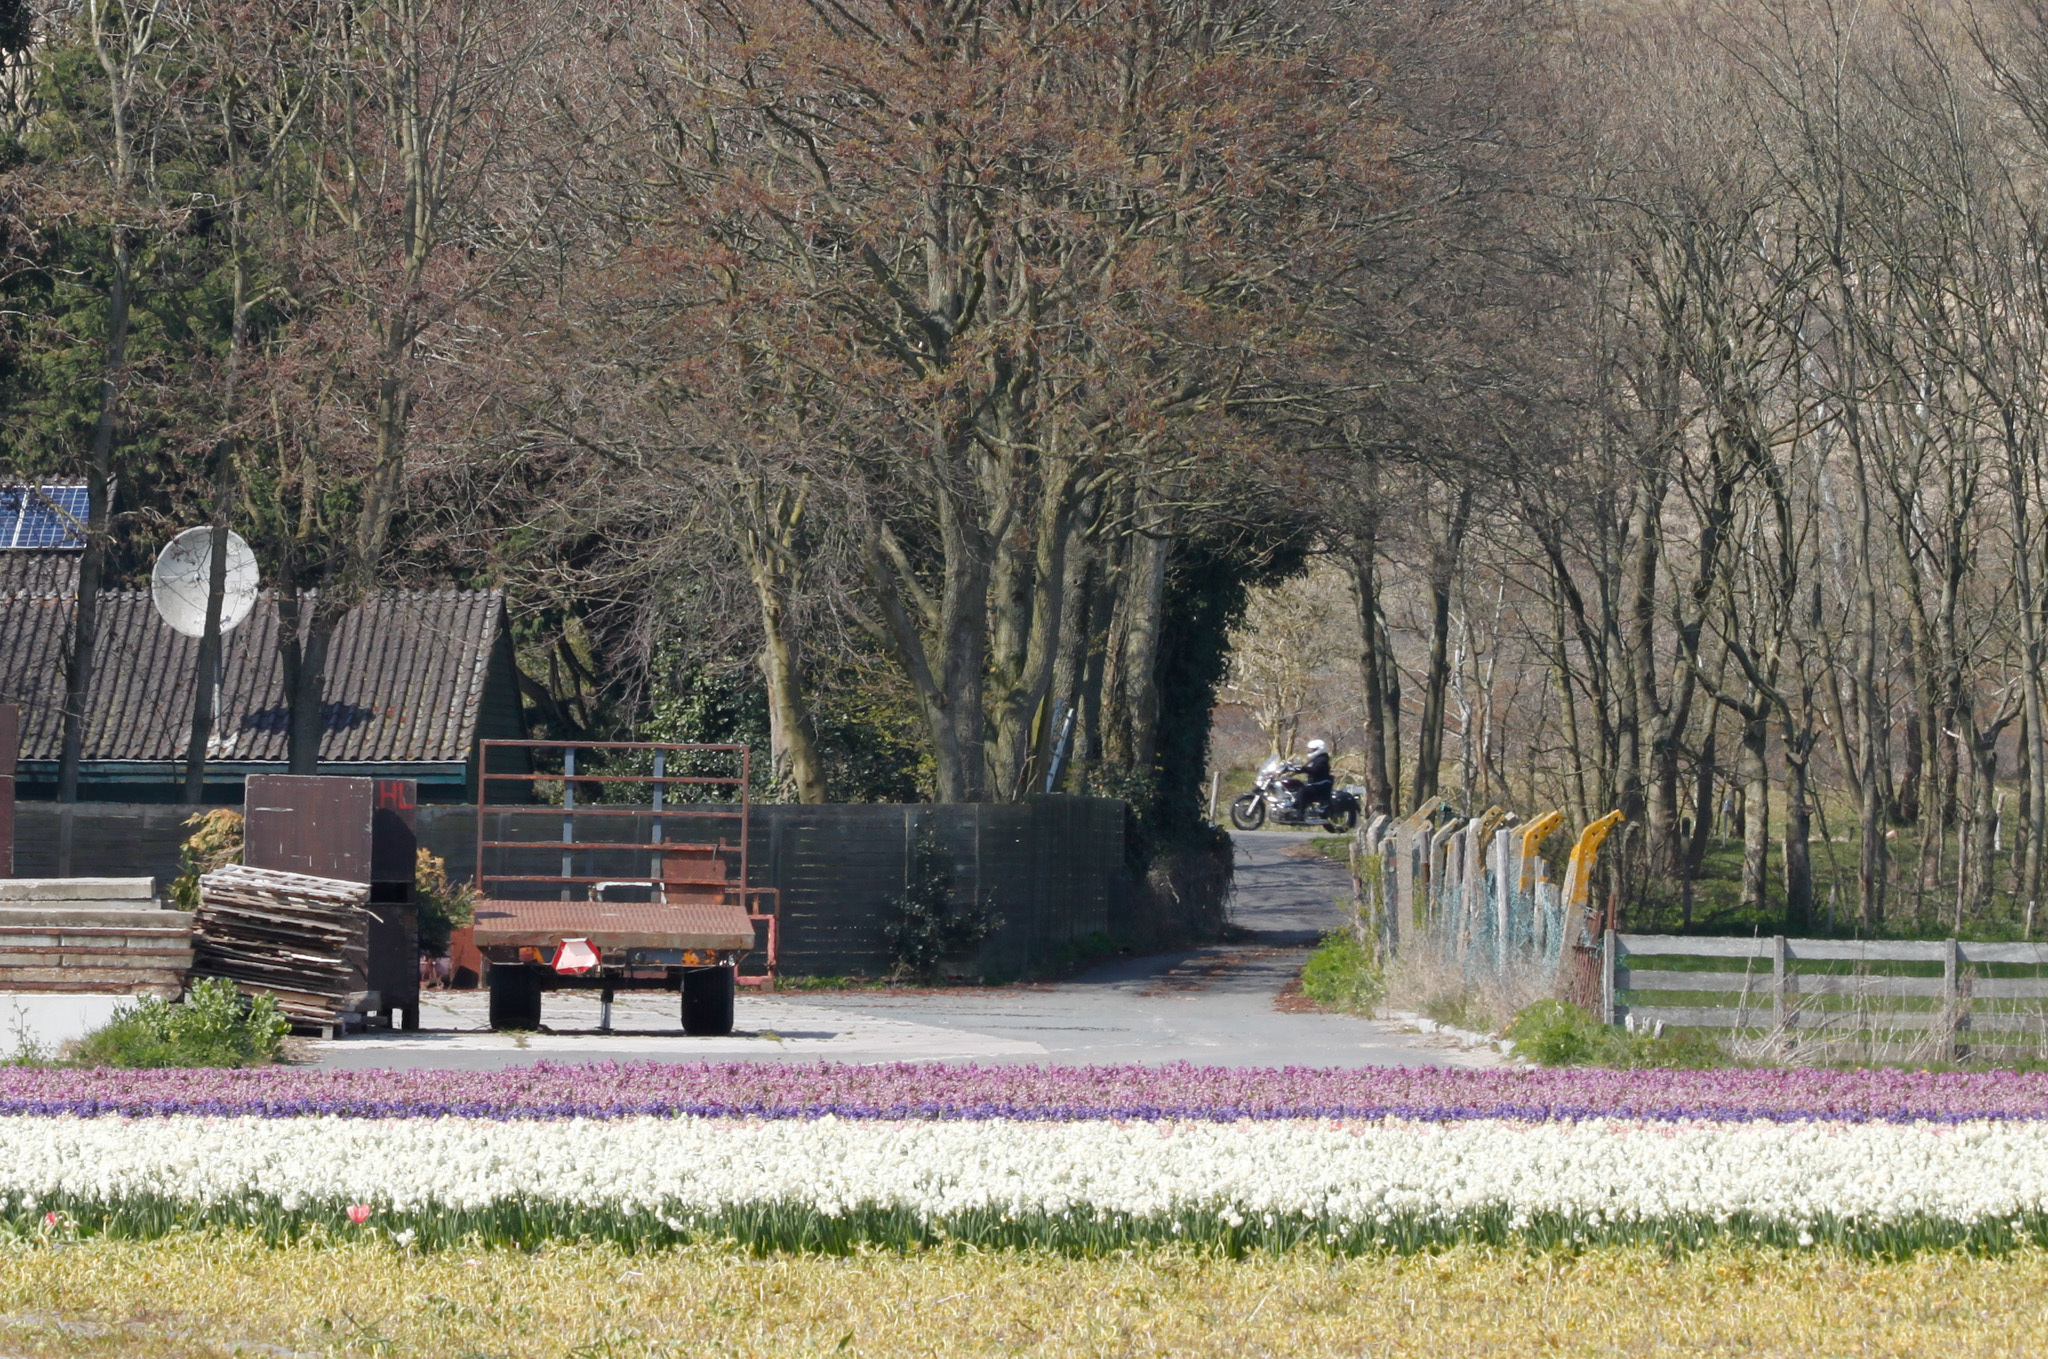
(223, 1292)
(1082, 1232)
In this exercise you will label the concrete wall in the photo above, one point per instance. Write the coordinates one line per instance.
(42, 1022)
(1053, 867)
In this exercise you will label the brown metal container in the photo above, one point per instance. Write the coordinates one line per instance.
(357, 830)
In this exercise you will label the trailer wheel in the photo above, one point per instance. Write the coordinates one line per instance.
(707, 1001)
(515, 997)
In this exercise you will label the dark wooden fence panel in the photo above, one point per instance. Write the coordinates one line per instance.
(838, 868)
(1052, 868)
(99, 839)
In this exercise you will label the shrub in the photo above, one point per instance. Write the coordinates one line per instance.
(1555, 1033)
(444, 909)
(215, 1025)
(926, 924)
(1342, 975)
(215, 842)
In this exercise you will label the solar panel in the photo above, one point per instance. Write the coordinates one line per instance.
(42, 516)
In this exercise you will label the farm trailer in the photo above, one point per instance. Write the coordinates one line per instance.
(618, 866)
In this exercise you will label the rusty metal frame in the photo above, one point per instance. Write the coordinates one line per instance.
(749, 896)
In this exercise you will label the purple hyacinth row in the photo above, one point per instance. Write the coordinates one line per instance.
(935, 1091)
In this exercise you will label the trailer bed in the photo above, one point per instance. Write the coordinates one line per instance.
(610, 925)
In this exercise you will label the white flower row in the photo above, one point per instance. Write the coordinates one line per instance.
(1609, 1171)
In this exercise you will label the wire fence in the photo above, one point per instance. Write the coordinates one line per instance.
(1475, 897)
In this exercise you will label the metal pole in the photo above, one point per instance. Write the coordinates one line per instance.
(660, 772)
(1059, 754)
(1609, 959)
(568, 816)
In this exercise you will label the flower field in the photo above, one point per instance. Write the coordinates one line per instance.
(1083, 1160)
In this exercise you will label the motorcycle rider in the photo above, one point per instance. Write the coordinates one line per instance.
(1316, 781)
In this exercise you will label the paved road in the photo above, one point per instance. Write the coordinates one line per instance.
(1212, 1005)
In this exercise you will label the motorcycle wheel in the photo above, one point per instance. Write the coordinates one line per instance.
(1248, 812)
(1341, 818)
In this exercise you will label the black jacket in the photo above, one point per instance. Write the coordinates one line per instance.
(1317, 770)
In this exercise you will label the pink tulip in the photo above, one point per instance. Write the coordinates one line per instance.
(50, 1219)
(359, 1213)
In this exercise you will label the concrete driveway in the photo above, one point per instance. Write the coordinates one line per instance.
(1217, 1005)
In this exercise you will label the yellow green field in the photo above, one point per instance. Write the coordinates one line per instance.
(225, 1294)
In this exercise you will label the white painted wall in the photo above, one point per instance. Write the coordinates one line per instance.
(48, 1021)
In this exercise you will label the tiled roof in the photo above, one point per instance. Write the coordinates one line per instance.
(405, 679)
(39, 573)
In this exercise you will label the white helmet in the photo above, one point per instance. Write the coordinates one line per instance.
(1318, 747)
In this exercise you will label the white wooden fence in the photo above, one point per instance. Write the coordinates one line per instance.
(1852, 993)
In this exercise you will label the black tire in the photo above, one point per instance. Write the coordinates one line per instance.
(515, 997)
(1248, 812)
(707, 1001)
(1342, 818)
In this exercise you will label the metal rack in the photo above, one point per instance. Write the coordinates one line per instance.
(656, 864)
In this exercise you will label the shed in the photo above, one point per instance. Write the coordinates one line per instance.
(414, 680)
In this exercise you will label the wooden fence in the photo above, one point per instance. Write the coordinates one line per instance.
(1052, 867)
(1934, 999)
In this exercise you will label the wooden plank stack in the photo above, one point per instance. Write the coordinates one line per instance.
(91, 936)
(304, 940)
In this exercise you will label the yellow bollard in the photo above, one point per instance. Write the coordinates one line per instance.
(1531, 836)
(1578, 878)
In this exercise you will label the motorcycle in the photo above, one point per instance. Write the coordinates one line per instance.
(1273, 795)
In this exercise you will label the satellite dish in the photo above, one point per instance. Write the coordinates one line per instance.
(184, 570)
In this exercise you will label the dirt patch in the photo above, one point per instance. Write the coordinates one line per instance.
(1291, 1001)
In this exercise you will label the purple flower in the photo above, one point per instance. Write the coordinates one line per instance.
(548, 1090)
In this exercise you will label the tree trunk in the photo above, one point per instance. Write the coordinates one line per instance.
(205, 696)
(1026, 605)
(1798, 833)
(949, 670)
(1091, 736)
(1390, 707)
(1983, 820)
(1429, 740)
(1133, 679)
(1873, 857)
(2033, 732)
(1379, 789)
(1920, 729)
(304, 630)
(1637, 703)
(92, 563)
(767, 534)
(207, 677)
(1560, 670)
(1070, 662)
(792, 739)
(1756, 809)
(1703, 797)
